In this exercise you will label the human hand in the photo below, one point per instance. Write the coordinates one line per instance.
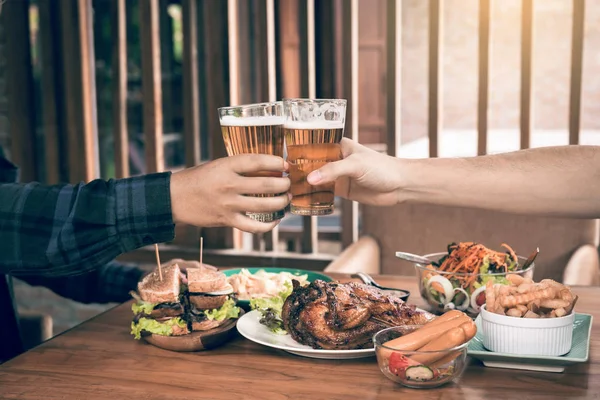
(363, 175)
(214, 194)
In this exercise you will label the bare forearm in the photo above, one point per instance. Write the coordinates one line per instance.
(557, 181)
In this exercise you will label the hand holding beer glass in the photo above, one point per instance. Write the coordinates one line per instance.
(313, 130)
(255, 129)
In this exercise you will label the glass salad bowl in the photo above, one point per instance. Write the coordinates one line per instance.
(445, 291)
(418, 369)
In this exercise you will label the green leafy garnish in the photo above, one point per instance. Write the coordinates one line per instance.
(142, 307)
(270, 309)
(227, 310)
(485, 277)
(153, 326)
(495, 279)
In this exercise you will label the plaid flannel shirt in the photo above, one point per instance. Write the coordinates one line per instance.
(65, 237)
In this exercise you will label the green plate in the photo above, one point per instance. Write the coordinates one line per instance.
(312, 276)
(580, 351)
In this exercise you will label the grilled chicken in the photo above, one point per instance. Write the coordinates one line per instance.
(343, 316)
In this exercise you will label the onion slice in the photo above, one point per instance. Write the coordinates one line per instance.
(474, 296)
(466, 302)
(445, 297)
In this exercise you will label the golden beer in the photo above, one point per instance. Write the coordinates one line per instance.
(313, 130)
(261, 132)
(310, 148)
(254, 139)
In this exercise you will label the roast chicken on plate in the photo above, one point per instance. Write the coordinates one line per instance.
(344, 316)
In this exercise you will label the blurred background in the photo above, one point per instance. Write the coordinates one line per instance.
(92, 88)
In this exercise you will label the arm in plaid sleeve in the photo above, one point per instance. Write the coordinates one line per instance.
(108, 284)
(70, 229)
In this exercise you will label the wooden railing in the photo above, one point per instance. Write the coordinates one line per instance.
(234, 52)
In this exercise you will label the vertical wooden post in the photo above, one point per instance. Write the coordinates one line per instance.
(152, 85)
(165, 34)
(80, 89)
(394, 76)
(191, 105)
(216, 88)
(290, 34)
(191, 101)
(237, 83)
(271, 51)
(119, 67)
(483, 73)
(527, 22)
(306, 15)
(327, 22)
(576, 70)
(350, 90)
(88, 88)
(269, 80)
(435, 74)
(234, 52)
(51, 92)
(19, 83)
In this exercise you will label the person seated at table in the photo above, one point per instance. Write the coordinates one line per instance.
(65, 229)
(562, 181)
(65, 236)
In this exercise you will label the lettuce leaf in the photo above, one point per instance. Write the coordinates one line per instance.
(485, 265)
(274, 303)
(149, 325)
(270, 309)
(227, 310)
(485, 277)
(498, 279)
(142, 307)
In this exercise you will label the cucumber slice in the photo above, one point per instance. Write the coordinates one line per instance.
(419, 373)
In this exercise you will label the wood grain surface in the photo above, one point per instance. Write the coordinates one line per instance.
(100, 360)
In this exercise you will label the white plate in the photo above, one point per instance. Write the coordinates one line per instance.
(250, 327)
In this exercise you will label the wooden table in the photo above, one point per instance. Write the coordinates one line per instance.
(99, 360)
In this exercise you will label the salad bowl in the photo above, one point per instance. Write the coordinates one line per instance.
(445, 290)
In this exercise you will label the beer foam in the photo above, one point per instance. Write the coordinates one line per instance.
(322, 124)
(267, 120)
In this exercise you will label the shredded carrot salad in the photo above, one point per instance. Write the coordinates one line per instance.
(468, 257)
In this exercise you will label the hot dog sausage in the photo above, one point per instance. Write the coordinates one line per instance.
(429, 331)
(470, 330)
(452, 338)
(445, 360)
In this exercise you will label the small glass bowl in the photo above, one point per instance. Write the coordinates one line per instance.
(418, 369)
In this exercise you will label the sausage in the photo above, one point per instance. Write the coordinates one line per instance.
(429, 331)
(452, 338)
(448, 358)
(470, 329)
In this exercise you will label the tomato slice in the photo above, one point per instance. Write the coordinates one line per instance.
(480, 299)
(398, 364)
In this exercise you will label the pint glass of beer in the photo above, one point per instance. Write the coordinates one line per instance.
(255, 129)
(313, 130)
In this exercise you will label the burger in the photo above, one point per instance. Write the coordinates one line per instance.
(209, 299)
(199, 299)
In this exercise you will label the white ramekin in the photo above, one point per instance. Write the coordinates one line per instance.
(527, 336)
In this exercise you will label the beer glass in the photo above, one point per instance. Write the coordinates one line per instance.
(313, 129)
(255, 129)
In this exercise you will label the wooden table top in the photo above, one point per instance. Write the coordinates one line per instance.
(99, 359)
